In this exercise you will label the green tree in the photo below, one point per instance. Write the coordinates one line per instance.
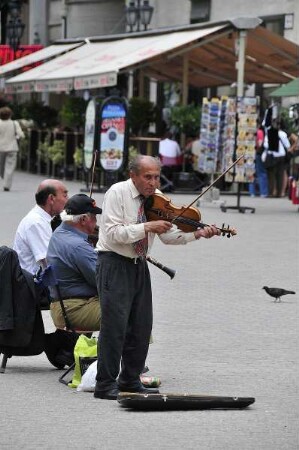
(186, 119)
(289, 123)
(43, 116)
(72, 113)
(142, 113)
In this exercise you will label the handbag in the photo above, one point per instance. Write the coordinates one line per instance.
(268, 159)
(15, 128)
(17, 137)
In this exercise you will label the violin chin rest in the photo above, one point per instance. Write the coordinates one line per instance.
(149, 201)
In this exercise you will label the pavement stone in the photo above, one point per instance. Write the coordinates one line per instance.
(215, 331)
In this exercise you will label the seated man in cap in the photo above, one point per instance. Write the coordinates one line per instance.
(74, 260)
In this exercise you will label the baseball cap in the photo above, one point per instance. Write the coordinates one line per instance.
(81, 204)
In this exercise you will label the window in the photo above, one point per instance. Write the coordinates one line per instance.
(274, 24)
(200, 11)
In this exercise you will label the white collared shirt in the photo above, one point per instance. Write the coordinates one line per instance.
(32, 238)
(118, 227)
(283, 144)
(169, 152)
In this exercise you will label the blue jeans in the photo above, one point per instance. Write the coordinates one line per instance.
(261, 176)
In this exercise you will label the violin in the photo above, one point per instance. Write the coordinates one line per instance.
(159, 207)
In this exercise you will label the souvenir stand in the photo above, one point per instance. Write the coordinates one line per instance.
(228, 131)
(239, 139)
(208, 160)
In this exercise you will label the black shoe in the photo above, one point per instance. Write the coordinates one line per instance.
(107, 395)
(6, 189)
(51, 350)
(60, 359)
(52, 360)
(64, 357)
(139, 390)
(59, 348)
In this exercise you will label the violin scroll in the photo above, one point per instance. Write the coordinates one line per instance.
(227, 231)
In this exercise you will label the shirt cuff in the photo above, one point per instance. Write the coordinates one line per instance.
(190, 237)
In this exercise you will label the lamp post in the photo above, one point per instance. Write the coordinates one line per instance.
(137, 14)
(15, 26)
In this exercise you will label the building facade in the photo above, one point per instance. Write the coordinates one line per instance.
(50, 20)
(56, 19)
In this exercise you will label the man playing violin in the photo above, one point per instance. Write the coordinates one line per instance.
(123, 278)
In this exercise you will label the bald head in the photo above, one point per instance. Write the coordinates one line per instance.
(51, 196)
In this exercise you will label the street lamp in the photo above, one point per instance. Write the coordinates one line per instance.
(15, 26)
(137, 14)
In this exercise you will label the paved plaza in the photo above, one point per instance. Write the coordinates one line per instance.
(215, 332)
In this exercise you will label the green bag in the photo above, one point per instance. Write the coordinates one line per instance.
(85, 348)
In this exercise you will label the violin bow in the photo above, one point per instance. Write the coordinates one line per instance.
(208, 188)
(93, 171)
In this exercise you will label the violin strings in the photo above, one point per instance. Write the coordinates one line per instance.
(185, 220)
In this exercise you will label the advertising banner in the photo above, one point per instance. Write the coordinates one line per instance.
(89, 134)
(113, 133)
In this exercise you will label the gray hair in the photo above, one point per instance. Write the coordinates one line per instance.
(75, 218)
(136, 162)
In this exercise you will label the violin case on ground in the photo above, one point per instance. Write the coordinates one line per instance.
(176, 402)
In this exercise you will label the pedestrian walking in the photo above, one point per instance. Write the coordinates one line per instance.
(10, 133)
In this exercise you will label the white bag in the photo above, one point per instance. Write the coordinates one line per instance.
(88, 380)
(264, 156)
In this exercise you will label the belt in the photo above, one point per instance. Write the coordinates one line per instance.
(136, 260)
(81, 297)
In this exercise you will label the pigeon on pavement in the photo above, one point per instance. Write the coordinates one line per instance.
(277, 292)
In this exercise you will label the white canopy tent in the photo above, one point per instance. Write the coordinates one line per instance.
(96, 64)
(36, 57)
(214, 54)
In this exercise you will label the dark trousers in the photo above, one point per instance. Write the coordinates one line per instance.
(276, 176)
(126, 302)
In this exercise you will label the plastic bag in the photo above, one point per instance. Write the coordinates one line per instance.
(88, 380)
(85, 347)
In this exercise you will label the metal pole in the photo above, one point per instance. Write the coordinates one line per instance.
(241, 63)
(138, 15)
(64, 11)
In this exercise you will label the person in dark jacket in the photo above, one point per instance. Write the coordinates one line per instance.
(19, 309)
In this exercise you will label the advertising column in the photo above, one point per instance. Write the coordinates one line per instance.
(89, 134)
(113, 136)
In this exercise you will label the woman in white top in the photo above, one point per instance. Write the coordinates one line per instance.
(276, 142)
(10, 132)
